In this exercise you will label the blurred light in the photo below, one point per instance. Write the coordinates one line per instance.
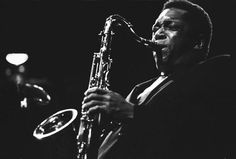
(17, 58)
(21, 69)
(8, 71)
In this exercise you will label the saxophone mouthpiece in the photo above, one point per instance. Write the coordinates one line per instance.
(154, 46)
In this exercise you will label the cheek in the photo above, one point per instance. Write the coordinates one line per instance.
(172, 34)
(175, 41)
(172, 38)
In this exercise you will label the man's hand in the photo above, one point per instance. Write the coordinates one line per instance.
(112, 103)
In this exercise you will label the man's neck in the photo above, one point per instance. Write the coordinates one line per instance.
(183, 63)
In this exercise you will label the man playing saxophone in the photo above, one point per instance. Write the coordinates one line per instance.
(185, 112)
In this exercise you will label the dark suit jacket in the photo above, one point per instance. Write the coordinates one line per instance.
(191, 115)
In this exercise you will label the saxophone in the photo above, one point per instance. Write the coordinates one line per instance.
(99, 77)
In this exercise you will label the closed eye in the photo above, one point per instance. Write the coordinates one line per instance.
(167, 25)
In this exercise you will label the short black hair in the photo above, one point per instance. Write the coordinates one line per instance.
(197, 17)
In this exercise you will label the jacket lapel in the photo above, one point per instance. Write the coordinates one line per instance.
(157, 91)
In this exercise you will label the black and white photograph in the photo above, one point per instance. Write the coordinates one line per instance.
(116, 79)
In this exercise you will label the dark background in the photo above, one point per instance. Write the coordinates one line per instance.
(60, 38)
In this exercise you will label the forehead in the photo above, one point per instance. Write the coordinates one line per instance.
(172, 14)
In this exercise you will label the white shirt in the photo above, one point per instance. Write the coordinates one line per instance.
(142, 96)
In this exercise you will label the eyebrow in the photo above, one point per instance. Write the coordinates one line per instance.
(172, 19)
(167, 20)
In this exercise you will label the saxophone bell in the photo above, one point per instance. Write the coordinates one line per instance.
(55, 123)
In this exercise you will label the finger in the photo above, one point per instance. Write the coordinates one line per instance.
(91, 104)
(93, 96)
(96, 90)
(96, 109)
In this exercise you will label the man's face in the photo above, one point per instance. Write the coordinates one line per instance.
(170, 31)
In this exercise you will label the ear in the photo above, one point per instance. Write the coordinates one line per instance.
(199, 43)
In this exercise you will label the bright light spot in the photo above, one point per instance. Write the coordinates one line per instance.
(17, 58)
(23, 103)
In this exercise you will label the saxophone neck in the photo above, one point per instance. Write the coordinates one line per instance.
(118, 21)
